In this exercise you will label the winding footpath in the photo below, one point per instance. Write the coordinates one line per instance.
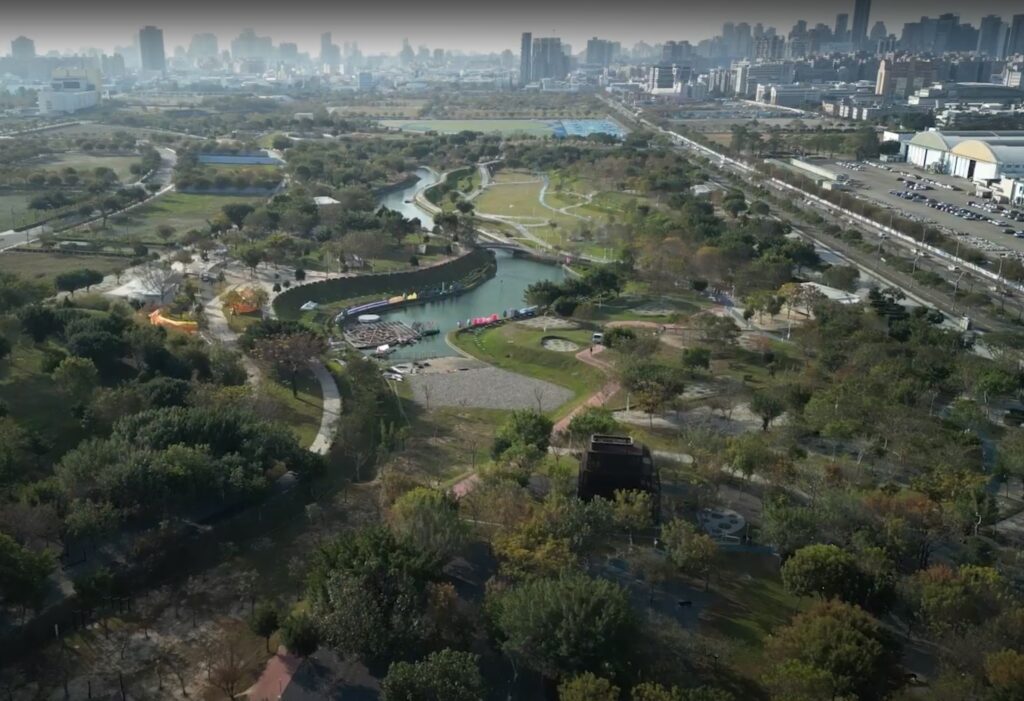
(599, 398)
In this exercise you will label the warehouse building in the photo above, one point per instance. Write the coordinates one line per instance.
(976, 155)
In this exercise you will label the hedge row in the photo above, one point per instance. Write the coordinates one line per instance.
(287, 304)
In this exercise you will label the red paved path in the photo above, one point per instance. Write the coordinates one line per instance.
(276, 677)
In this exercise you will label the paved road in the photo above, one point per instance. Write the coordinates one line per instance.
(331, 408)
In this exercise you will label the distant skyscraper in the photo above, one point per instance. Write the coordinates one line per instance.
(989, 35)
(549, 61)
(151, 49)
(842, 26)
(526, 59)
(23, 49)
(203, 46)
(330, 54)
(878, 33)
(1015, 43)
(861, 16)
(600, 52)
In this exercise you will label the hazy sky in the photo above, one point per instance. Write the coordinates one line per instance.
(484, 25)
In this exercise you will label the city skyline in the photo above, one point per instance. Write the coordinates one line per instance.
(445, 25)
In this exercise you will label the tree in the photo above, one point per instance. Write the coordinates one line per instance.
(587, 687)
(39, 322)
(525, 426)
(5, 347)
(291, 353)
(236, 213)
(953, 600)
(252, 257)
(697, 357)
(769, 405)
(74, 280)
(591, 420)
(835, 648)
(430, 520)
(632, 511)
(229, 670)
(77, 377)
(447, 675)
(165, 232)
(689, 550)
(23, 573)
(300, 634)
(158, 279)
(825, 571)
(721, 330)
(264, 621)
(565, 626)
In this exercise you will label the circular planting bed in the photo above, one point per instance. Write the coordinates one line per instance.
(549, 322)
(558, 344)
(722, 522)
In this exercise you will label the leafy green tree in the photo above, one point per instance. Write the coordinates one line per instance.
(236, 213)
(769, 405)
(300, 634)
(447, 675)
(953, 600)
(39, 322)
(23, 573)
(290, 354)
(697, 357)
(430, 520)
(591, 420)
(264, 621)
(587, 687)
(566, 626)
(632, 510)
(526, 426)
(835, 650)
(825, 571)
(690, 550)
(77, 377)
(5, 347)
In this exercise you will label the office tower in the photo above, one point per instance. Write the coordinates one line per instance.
(247, 45)
(330, 54)
(600, 52)
(861, 16)
(288, 52)
(1015, 42)
(526, 59)
(989, 34)
(151, 49)
(729, 41)
(549, 61)
(744, 40)
(203, 46)
(842, 26)
(439, 56)
(661, 78)
(878, 33)
(769, 47)
(406, 56)
(23, 49)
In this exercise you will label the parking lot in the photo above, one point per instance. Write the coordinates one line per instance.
(924, 197)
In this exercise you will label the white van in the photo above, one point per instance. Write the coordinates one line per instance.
(597, 338)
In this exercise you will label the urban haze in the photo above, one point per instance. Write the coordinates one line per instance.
(667, 351)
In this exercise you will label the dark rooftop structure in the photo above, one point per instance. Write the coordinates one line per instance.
(611, 463)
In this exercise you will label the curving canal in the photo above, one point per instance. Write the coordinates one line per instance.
(503, 291)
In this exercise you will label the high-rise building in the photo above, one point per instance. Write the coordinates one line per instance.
(1015, 42)
(526, 59)
(23, 49)
(600, 52)
(330, 54)
(250, 46)
(549, 60)
(661, 78)
(861, 16)
(203, 46)
(989, 35)
(878, 33)
(842, 26)
(769, 47)
(151, 49)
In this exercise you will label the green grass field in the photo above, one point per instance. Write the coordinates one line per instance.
(181, 211)
(14, 209)
(82, 162)
(45, 266)
(301, 414)
(505, 127)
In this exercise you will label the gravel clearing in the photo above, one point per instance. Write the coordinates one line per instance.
(486, 388)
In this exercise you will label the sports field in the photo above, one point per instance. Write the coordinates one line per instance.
(121, 165)
(507, 127)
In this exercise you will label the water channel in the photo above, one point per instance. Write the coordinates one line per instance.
(503, 291)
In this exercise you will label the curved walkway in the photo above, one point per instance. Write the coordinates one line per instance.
(600, 397)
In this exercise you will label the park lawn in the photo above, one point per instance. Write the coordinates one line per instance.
(469, 182)
(445, 443)
(517, 348)
(240, 322)
(84, 162)
(504, 177)
(14, 209)
(181, 211)
(505, 127)
(400, 108)
(46, 265)
(749, 602)
(301, 414)
(36, 401)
